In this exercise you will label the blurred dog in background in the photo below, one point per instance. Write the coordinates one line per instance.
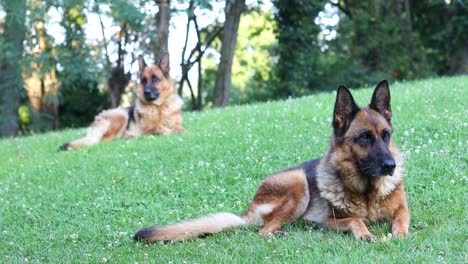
(157, 110)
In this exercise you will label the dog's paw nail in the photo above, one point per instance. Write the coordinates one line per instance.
(282, 233)
(264, 234)
(399, 233)
(368, 237)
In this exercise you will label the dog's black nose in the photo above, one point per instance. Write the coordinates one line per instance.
(388, 166)
(150, 94)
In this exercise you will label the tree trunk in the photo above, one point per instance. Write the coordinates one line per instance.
(195, 56)
(232, 11)
(162, 28)
(41, 84)
(11, 82)
(408, 29)
(200, 86)
(118, 79)
(459, 61)
(117, 83)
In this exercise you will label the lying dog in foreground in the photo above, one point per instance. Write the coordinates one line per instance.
(358, 180)
(158, 110)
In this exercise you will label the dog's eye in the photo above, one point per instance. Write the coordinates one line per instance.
(386, 135)
(154, 79)
(365, 136)
(143, 80)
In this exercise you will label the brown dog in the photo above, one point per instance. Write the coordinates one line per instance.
(158, 110)
(358, 180)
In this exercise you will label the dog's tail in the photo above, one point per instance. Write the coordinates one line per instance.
(193, 228)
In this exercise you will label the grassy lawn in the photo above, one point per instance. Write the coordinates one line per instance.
(83, 206)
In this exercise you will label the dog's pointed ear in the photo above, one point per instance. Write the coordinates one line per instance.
(141, 64)
(164, 63)
(380, 101)
(344, 112)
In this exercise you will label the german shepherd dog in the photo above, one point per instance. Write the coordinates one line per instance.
(359, 180)
(158, 110)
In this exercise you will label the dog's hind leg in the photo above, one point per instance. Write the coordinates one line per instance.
(106, 126)
(281, 215)
(280, 199)
(94, 134)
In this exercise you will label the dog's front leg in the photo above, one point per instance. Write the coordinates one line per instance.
(163, 130)
(401, 220)
(351, 224)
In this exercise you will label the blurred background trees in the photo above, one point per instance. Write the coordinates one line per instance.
(63, 61)
(12, 35)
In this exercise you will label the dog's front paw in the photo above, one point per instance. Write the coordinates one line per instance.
(163, 131)
(266, 233)
(282, 233)
(399, 232)
(369, 237)
(180, 130)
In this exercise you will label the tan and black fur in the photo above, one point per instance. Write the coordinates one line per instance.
(157, 110)
(359, 180)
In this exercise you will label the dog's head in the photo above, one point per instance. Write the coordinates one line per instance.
(155, 82)
(364, 135)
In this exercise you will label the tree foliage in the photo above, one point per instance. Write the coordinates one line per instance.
(291, 50)
(205, 37)
(128, 18)
(40, 71)
(379, 41)
(298, 48)
(442, 27)
(11, 57)
(78, 75)
(253, 61)
(254, 58)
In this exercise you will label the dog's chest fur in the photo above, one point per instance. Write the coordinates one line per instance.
(144, 119)
(147, 118)
(371, 204)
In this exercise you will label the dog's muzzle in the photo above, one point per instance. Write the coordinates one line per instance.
(150, 93)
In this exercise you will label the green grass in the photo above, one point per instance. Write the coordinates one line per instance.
(83, 206)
